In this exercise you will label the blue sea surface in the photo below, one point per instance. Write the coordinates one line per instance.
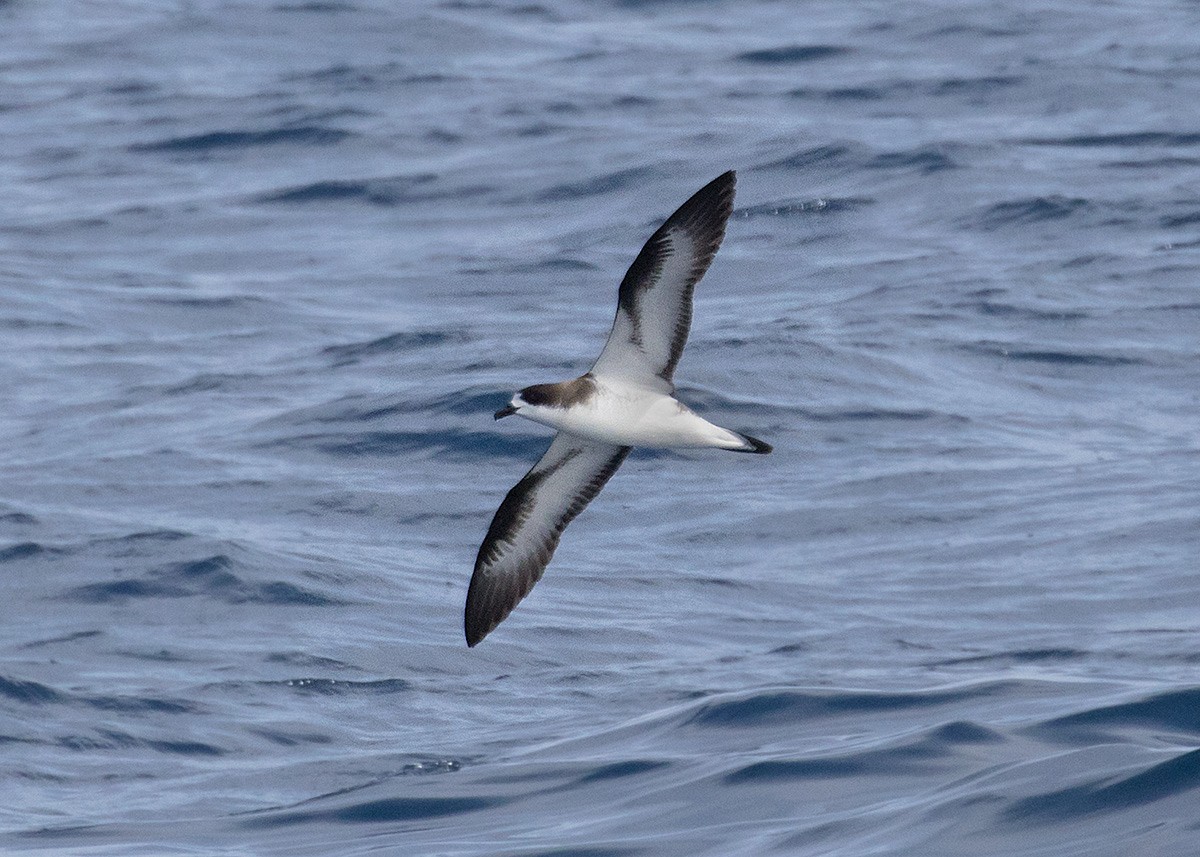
(267, 269)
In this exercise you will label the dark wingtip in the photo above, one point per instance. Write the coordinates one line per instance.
(475, 631)
(476, 624)
(726, 182)
(718, 193)
(707, 209)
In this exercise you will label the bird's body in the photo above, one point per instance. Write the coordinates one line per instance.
(627, 399)
(621, 413)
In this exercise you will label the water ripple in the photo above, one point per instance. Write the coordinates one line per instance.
(1033, 210)
(792, 54)
(218, 140)
(787, 706)
(211, 577)
(388, 810)
(1177, 775)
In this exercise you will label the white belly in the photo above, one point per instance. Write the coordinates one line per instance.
(631, 416)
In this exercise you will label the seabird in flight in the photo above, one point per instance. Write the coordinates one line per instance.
(625, 400)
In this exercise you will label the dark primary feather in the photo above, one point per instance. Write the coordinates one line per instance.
(653, 316)
(527, 527)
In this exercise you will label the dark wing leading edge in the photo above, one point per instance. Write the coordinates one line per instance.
(528, 524)
(654, 305)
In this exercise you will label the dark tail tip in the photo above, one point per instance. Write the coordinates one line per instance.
(757, 447)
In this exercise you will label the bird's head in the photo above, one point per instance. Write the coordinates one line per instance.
(547, 402)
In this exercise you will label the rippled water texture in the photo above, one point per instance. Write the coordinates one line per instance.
(266, 271)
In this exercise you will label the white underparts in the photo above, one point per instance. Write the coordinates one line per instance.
(631, 415)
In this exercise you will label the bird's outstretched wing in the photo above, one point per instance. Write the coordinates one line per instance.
(654, 305)
(528, 524)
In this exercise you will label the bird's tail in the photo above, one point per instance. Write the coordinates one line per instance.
(752, 444)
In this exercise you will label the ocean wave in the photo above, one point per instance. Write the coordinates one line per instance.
(1126, 139)
(394, 343)
(210, 577)
(1038, 209)
(596, 185)
(394, 190)
(1051, 356)
(781, 706)
(300, 135)
(455, 443)
(789, 54)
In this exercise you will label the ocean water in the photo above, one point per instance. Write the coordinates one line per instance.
(266, 269)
